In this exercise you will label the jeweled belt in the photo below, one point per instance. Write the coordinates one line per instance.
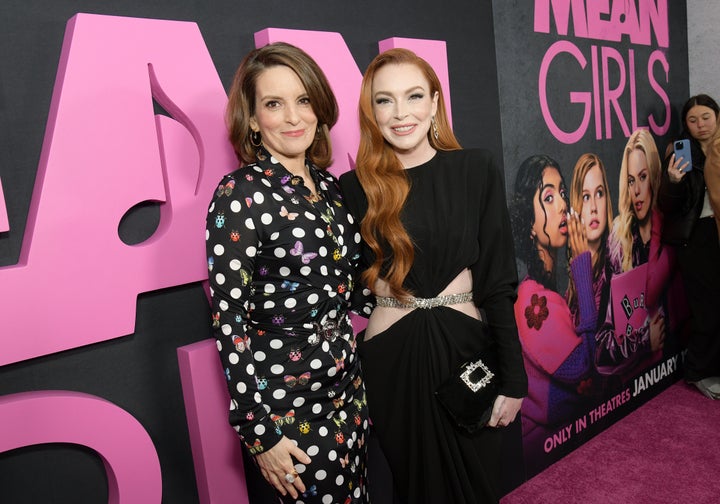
(425, 303)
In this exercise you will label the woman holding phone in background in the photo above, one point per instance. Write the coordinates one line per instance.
(690, 225)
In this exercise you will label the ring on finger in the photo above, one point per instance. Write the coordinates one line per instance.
(290, 478)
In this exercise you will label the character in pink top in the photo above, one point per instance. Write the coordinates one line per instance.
(558, 351)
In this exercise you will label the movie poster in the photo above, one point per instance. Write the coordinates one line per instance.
(589, 99)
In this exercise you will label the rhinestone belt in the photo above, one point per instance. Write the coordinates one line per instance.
(425, 303)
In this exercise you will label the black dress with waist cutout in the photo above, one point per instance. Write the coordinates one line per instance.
(457, 218)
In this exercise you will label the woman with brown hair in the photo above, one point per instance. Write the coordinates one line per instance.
(282, 251)
(438, 252)
(686, 197)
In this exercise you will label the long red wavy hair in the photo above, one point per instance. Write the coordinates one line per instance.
(383, 177)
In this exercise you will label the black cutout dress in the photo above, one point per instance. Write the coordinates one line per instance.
(457, 218)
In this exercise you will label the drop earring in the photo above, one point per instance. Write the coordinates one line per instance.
(255, 139)
(436, 134)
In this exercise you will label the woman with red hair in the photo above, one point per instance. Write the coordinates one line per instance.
(439, 258)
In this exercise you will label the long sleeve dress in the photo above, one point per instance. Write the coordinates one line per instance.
(457, 218)
(282, 271)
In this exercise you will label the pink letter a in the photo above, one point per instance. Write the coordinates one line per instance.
(104, 152)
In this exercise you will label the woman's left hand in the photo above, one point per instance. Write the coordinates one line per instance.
(505, 410)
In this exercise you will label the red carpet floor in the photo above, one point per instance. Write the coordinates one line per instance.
(666, 451)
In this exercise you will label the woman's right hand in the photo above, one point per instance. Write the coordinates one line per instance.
(676, 169)
(277, 462)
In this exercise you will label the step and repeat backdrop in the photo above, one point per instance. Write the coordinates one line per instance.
(113, 143)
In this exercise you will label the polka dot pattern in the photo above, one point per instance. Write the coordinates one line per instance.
(282, 278)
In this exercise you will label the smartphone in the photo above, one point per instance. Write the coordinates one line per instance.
(682, 150)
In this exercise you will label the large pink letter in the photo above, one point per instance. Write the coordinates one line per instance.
(658, 56)
(216, 448)
(104, 152)
(611, 96)
(563, 46)
(131, 462)
(561, 9)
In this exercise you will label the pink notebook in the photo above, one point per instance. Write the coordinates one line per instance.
(628, 300)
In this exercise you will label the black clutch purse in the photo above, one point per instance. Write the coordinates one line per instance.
(469, 394)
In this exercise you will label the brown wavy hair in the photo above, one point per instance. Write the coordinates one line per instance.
(241, 99)
(383, 177)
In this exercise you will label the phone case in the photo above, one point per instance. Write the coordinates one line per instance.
(682, 150)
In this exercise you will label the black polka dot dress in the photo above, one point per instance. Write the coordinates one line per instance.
(282, 277)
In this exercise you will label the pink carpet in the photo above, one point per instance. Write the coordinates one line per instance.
(666, 451)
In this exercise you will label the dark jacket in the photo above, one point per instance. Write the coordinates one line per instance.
(682, 202)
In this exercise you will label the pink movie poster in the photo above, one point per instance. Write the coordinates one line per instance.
(600, 309)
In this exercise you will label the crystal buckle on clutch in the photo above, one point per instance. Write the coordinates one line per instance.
(482, 382)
